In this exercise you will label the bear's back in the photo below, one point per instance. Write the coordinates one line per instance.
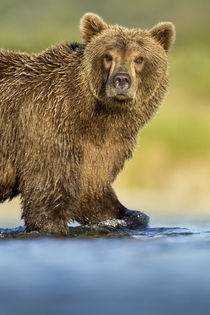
(12, 63)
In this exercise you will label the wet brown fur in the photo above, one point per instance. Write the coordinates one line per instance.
(64, 137)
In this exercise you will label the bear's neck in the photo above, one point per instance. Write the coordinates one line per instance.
(99, 122)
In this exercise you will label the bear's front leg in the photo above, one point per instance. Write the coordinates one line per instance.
(44, 222)
(95, 207)
(103, 207)
(47, 212)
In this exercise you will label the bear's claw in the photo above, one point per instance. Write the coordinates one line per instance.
(135, 219)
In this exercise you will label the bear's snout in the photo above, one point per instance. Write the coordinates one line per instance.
(121, 81)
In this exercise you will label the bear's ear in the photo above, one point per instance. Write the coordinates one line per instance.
(164, 33)
(90, 25)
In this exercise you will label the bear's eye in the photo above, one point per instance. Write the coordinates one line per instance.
(139, 60)
(108, 58)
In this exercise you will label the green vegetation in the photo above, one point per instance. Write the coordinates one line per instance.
(179, 135)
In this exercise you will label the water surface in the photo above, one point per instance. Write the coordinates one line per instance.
(156, 270)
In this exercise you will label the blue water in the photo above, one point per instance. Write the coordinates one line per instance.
(157, 270)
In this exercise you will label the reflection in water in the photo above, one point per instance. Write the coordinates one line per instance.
(157, 270)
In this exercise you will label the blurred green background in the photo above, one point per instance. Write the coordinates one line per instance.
(171, 166)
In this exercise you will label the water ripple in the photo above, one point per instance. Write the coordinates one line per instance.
(97, 231)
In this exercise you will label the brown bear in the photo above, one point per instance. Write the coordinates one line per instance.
(69, 119)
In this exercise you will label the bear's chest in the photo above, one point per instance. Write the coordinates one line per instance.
(100, 164)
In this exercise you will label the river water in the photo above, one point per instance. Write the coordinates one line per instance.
(156, 270)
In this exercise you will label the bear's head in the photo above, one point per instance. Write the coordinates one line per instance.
(125, 65)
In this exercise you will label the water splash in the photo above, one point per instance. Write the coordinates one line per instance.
(104, 230)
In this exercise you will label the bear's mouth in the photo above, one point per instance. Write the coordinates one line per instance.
(119, 95)
(122, 96)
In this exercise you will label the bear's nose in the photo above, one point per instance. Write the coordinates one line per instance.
(121, 81)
